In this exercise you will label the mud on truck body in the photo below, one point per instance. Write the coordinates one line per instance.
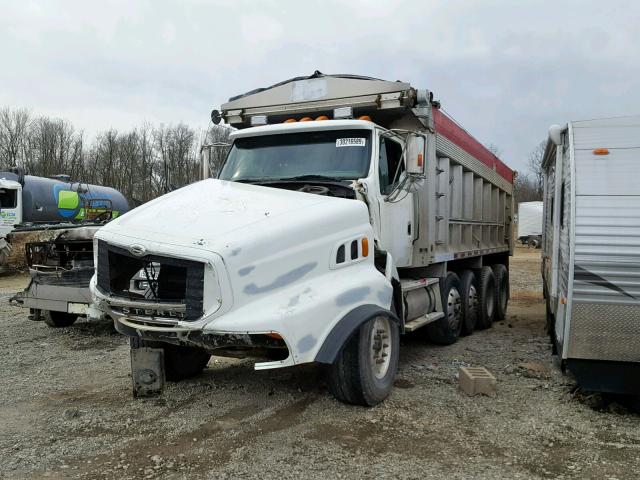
(349, 210)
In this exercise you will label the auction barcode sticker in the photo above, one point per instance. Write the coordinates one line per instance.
(351, 142)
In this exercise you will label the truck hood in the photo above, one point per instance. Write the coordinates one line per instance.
(220, 216)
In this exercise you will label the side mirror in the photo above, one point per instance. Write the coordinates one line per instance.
(415, 154)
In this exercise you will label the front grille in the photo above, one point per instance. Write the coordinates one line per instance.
(170, 280)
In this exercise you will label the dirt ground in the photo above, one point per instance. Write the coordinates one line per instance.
(66, 411)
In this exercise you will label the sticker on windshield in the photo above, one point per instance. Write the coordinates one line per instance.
(351, 142)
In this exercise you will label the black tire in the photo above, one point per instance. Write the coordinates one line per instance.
(58, 319)
(502, 290)
(487, 301)
(180, 362)
(550, 322)
(352, 378)
(470, 302)
(551, 326)
(447, 330)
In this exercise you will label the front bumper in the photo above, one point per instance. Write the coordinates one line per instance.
(208, 341)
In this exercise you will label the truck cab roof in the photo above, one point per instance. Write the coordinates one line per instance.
(309, 126)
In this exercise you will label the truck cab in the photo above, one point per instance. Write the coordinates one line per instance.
(10, 205)
(351, 159)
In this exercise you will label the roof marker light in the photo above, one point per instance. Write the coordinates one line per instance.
(290, 120)
(322, 117)
(306, 119)
(365, 117)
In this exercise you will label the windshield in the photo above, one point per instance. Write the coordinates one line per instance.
(8, 197)
(337, 154)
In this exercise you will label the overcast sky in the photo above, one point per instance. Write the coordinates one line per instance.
(504, 70)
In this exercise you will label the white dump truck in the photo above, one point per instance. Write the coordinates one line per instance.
(591, 251)
(530, 223)
(349, 210)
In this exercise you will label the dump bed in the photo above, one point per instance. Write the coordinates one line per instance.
(465, 201)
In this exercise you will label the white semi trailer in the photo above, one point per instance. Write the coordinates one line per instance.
(530, 223)
(591, 251)
(349, 210)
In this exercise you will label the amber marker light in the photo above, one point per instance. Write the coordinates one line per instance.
(290, 120)
(365, 247)
(322, 117)
(365, 117)
(306, 119)
(275, 335)
(601, 151)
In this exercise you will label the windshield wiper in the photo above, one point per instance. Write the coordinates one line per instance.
(310, 177)
(249, 180)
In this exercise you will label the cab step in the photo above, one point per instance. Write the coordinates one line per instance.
(422, 321)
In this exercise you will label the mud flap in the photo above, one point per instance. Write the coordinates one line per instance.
(147, 371)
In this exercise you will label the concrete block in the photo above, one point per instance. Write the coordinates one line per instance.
(477, 380)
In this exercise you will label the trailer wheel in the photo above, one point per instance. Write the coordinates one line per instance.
(447, 330)
(487, 304)
(470, 302)
(365, 369)
(533, 242)
(58, 319)
(502, 290)
(180, 362)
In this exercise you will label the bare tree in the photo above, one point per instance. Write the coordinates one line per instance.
(217, 138)
(142, 163)
(496, 150)
(525, 189)
(535, 166)
(13, 133)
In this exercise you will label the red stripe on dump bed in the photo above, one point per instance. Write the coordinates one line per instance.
(450, 130)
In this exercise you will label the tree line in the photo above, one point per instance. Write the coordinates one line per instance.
(146, 161)
(142, 163)
(528, 186)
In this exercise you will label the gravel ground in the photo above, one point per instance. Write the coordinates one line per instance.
(66, 411)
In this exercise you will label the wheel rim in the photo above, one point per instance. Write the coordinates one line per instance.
(454, 308)
(380, 347)
(472, 302)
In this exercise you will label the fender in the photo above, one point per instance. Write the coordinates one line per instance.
(343, 330)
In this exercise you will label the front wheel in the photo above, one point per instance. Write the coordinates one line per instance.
(59, 319)
(365, 369)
